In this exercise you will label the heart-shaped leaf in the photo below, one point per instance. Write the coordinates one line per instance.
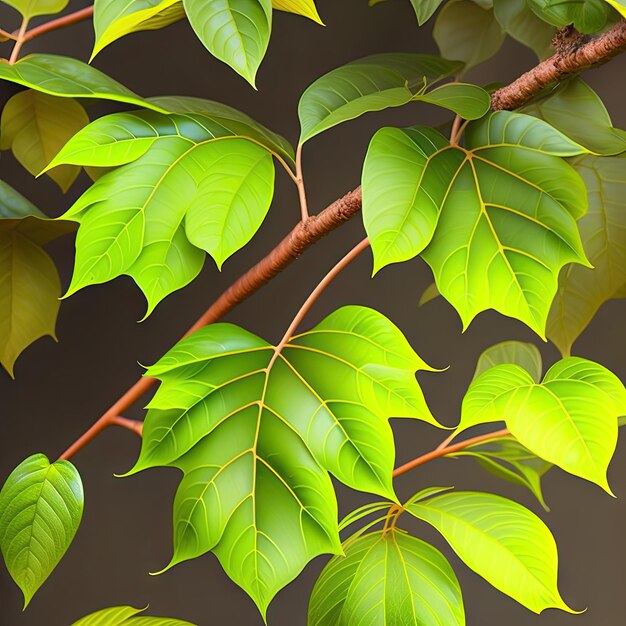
(126, 616)
(274, 424)
(41, 505)
(505, 543)
(387, 578)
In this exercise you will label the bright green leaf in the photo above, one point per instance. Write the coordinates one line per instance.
(33, 8)
(520, 353)
(575, 109)
(67, 78)
(505, 543)
(126, 616)
(387, 578)
(374, 83)
(466, 32)
(235, 31)
(469, 101)
(35, 126)
(618, 5)
(41, 505)
(582, 291)
(274, 428)
(587, 16)
(299, 7)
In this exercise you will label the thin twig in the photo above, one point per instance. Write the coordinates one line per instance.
(304, 210)
(7, 34)
(19, 41)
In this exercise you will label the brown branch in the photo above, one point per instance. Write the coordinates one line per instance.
(60, 22)
(570, 60)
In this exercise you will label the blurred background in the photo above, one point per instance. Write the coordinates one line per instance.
(62, 388)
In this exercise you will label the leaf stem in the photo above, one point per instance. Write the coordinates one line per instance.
(19, 41)
(456, 124)
(7, 34)
(304, 210)
(443, 450)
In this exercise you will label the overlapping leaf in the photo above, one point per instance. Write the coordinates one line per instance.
(306, 8)
(387, 578)
(618, 5)
(505, 543)
(41, 505)
(582, 291)
(33, 8)
(35, 126)
(256, 432)
(588, 16)
(373, 83)
(29, 282)
(569, 419)
(520, 353)
(126, 616)
(496, 221)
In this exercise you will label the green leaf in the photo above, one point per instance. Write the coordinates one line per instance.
(469, 101)
(575, 109)
(35, 126)
(424, 9)
(29, 282)
(587, 16)
(387, 578)
(33, 8)
(373, 83)
(430, 293)
(619, 6)
(505, 543)
(126, 616)
(235, 31)
(41, 505)
(509, 460)
(520, 353)
(151, 219)
(504, 203)
(466, 32)
(274, 426)
(113, 19)
(306, 8)
(67, 78)
(569, 419)
(518, 20)
(582, 291)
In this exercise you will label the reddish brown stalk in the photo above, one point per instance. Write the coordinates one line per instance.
(135, 425)
(448, 449)
(570, 60)
(19, 41)
(60, 22)
(7, 34)
(299, 180)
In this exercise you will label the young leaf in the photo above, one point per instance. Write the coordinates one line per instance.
(588, 16)
(467, 32)
(387, 578)
(33, 8)
(374, 83)
(505, 543)
(151, 218)
(520, 353)
(35, 126)
(126, 616)
(575, 109)
(469, 101)
(67, 78)
(299, 7)
(274, 426)
(569, 419)
(113, 19)
(29, 282)
(41, 505)
(235, 31)
(582, 291)
(518, 20)
(505, 203)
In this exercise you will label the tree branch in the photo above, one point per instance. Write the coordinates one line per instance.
(564, 63)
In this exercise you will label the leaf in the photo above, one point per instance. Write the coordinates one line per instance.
(518, 20)
(575, 109)
(496, 221)
(41, 505)
(582, 291)
(35, 126)
(509, 460)
(569, 419)
(373, 83)
(469, 101)
(500, 540)
(273, 427)
(430, 293)
(587, 16)
(619, 6)
(387, 578)
(237, 32)
(466, 32)
(520, 353)
(67, 78)
(424, 9)
(29, 282)
(115, 18)
(151, 218)
(306, 8)
(33, 8)
(126, 616)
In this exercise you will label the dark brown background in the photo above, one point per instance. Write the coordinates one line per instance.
(62, 388)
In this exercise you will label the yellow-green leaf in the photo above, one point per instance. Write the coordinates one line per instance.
(299, 7)
(32, 8)
(619, 6)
